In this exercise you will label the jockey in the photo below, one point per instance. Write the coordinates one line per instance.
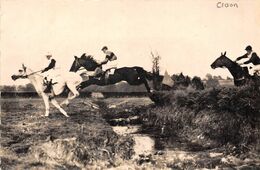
(108, 63)
(249, 57)
(110, 57)
(49, 72)
(51, 65)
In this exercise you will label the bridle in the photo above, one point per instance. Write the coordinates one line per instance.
(77, 62)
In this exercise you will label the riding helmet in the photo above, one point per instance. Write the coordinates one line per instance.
(248, 48)
(104, 48)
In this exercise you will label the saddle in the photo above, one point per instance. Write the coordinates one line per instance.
(107, 72)
(104, 74)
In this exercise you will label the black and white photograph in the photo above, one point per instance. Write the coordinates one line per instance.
(130, 84)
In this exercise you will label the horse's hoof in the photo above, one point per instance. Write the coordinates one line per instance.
(64, 104)
(95, 107)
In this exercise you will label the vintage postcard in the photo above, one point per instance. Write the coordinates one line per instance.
(130, 84)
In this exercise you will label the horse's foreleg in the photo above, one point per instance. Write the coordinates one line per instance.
(46, 103)
(144, 81)
(73, 90)
(55, 103)
(146, 85)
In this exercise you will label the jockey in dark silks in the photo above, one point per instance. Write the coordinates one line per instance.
(110, 56)
(108, 63)
(49, 73)
(51, 64)
(250, 57)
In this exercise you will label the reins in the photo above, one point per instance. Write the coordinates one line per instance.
(34, 72)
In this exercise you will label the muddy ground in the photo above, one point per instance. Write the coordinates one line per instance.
(111, 137)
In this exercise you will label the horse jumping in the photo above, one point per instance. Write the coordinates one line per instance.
(132, 75)
(69, 79)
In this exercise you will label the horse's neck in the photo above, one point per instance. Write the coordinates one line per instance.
(92, 60)
(90, 64)
(36, 80)
(234, 69)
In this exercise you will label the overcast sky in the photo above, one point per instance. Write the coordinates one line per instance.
(189, 35)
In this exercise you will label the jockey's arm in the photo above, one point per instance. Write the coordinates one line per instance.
(243, 56)
(50, 66)
(104, 61)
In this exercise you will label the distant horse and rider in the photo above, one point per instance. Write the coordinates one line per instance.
(242, 72)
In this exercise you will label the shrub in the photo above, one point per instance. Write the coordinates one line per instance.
(220, 115)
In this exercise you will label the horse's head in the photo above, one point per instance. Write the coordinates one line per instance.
(75, 65)
(222, 61)
(88, 62)
(21, 73)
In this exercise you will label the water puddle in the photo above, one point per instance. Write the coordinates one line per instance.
(144, 144)
(126, 130)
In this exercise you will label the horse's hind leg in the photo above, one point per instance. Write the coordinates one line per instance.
(55, 103)
(147, 86)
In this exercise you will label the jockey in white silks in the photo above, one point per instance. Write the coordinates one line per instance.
(250, 57)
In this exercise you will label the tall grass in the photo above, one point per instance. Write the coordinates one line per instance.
(217, 116)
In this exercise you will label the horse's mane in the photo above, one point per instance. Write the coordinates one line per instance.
(86, 61)
(88, 57)
(234, 63)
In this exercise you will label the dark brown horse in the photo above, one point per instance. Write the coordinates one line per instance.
(240, 74)
(132, 75)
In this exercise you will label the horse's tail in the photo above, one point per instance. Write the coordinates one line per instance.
(144, 73)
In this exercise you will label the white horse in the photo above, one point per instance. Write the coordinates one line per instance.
(69, 79)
